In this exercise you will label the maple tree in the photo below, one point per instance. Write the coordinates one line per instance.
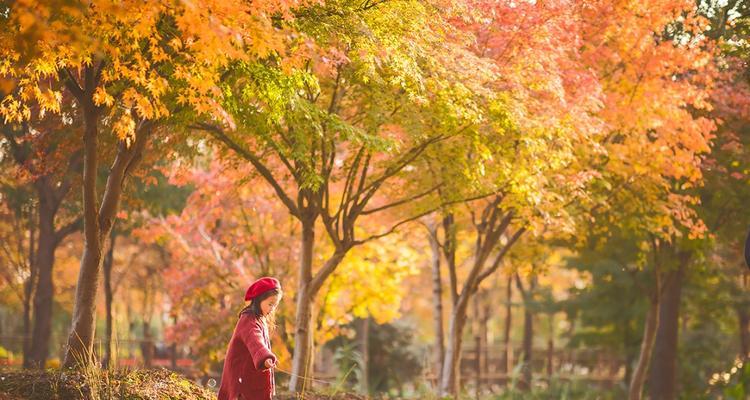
(329, 138)
(632, 130)
(132, 66)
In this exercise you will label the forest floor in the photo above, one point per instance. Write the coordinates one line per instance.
(98, 384)
(153, 384)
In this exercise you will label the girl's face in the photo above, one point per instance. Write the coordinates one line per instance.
(268, 305)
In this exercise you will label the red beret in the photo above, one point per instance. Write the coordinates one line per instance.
(261, 286)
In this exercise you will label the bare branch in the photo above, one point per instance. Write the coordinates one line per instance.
(325, 271)
(74, 226)
(402, 201)
(501, 255)
(219, 135)
(126, 160)
(349, 182)
(72, 84)
(396, 226)
(407, 158)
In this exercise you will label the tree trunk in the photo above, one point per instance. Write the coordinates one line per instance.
(449, 249)
(450, 383)
(629, 357)
(174, 347)
(81, 338)
(107, 270)
(147, 346)
(485, 342)
(365, 348)
(489, 231)
(649, 336)
(437, 295)
(551, 347)
(173, 356)
(477, 345)
(663, 371)
(29, 291)
(45, 260)
(301, 360)
(743, 319)
(528, 340)
(506, 367)
(528, 332)
(97, 218)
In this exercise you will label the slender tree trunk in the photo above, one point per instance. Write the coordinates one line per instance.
(629, 357)
(493, 225)
(505, 367)
(528, 340)
(449, 376)
(450, 382)
(30, 287)
(477, 345)
(485, 342)
(663, 371)
(42, 315)
(551, 346)
(528, 333)
(309, 286)
(301, 360)
(81, 338)
(147, 346)
(365, 387)
(27, 322)
(449, 249)
(437, 292)
(743, 319)
(649, 337)
(107, 270)
(174, 347)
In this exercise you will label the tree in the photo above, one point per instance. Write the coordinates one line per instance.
(46, 160)
(132, 66)
(332, 136)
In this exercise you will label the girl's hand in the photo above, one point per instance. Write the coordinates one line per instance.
(269, 363)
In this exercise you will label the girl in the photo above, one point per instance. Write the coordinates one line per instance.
(248, 367)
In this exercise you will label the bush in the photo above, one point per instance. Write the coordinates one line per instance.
(562, 390)
(394, 361)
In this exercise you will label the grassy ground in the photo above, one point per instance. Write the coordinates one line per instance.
(132, 385)
(161, 384)
(95, 384)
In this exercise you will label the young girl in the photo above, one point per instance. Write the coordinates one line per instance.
(248, 367)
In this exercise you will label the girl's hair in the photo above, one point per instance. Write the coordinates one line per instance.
(253, 308)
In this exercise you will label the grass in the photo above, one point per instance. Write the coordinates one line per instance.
(156, 384)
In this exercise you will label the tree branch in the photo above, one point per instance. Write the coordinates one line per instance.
(74, 226)
(325, 271)
(125, 162)
(219, 135)
(407, 157)
(495, 264)
(72, 84)
(402, 201)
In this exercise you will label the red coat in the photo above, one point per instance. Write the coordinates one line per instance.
(245, 376)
